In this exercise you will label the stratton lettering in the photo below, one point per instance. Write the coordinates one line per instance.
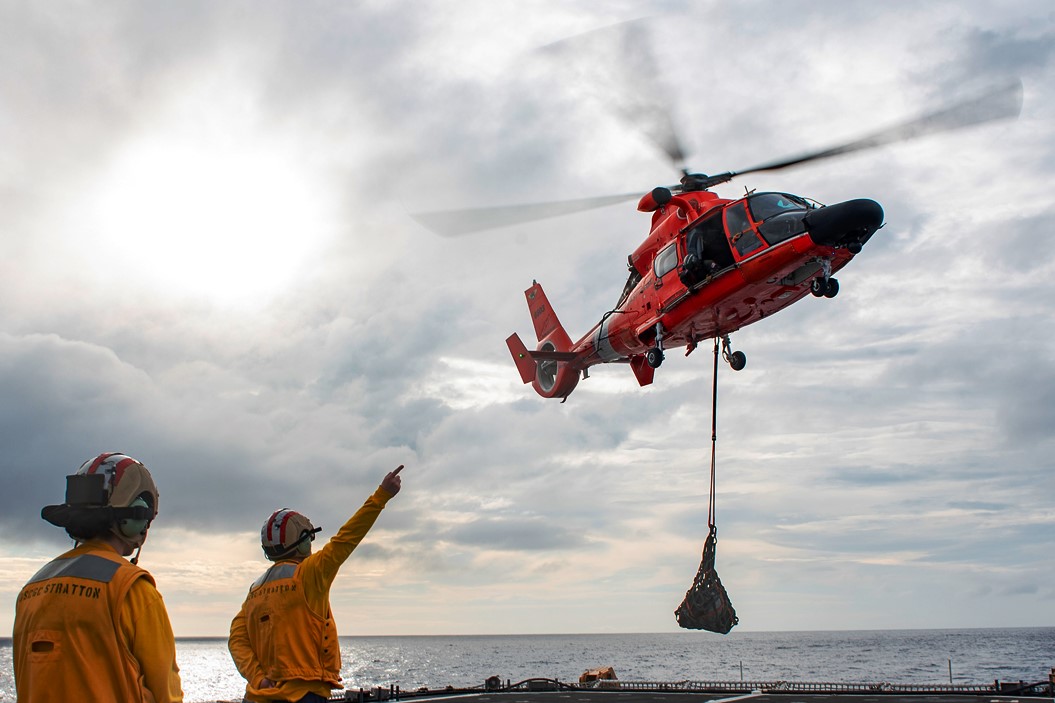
(277, 588)
(62, 588)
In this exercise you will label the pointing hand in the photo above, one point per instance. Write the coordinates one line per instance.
(391, 482)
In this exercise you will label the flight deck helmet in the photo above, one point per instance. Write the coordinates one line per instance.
(111, 492)
(287, 533)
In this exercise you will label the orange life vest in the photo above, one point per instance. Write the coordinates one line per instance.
(290, 641)
(66, 645)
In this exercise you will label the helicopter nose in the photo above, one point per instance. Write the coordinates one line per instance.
(849, 224)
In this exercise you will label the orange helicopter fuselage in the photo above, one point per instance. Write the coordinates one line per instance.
(708, 267)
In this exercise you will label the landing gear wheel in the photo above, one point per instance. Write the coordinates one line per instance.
(818, 287)
(833, 288)
(654, 357)
(737, 360)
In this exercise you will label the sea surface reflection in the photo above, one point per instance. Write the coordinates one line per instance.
(894, 656)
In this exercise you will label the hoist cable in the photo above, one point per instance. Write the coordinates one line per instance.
(706, 605)
(714, 436)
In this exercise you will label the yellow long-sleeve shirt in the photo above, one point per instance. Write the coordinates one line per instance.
(140, 660)
(316, 573)
(146, 630)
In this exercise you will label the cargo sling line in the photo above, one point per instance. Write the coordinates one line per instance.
(706, 605)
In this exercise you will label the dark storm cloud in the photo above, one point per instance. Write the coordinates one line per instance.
(216, 462)
(54, 391)
(76, 400)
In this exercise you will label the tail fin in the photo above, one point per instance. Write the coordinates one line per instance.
(547, 327)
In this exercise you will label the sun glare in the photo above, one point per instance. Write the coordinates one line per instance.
(234, 223)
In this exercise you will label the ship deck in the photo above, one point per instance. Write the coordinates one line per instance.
(612, 691)
(757, 697)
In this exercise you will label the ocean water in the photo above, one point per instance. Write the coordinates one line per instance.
(892, 656)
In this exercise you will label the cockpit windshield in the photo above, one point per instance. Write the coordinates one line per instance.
(766, 205)
(780, 215)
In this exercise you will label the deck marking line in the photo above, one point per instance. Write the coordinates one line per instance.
(737, 698)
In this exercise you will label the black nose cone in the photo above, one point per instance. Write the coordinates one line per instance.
(845, 224)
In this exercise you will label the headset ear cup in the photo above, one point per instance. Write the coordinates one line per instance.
(133, 528)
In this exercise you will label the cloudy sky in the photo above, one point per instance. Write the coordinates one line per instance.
(209, 262)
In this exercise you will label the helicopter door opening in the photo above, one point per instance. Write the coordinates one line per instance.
(743, 238)
(706, 251)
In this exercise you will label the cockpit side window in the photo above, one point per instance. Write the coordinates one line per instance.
(741, 236)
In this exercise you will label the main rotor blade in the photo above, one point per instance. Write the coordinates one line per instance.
(617, 65)
(450, 223)
(1001, 103)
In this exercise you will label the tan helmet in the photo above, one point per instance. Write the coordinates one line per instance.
(110, 492)
(286, 532)
(124, 480)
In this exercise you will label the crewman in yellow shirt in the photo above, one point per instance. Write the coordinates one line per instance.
(284, 640)
(90, 625)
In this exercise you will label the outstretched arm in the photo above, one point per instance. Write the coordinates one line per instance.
(320, 569)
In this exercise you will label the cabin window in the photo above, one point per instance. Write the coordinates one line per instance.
(666, 261)
(780, 216)
(741, 236)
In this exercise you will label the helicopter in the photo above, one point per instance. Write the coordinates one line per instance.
(709, 266)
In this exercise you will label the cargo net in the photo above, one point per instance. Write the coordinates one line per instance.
(706, 605)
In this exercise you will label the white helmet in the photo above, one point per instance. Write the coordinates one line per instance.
(285, 532)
